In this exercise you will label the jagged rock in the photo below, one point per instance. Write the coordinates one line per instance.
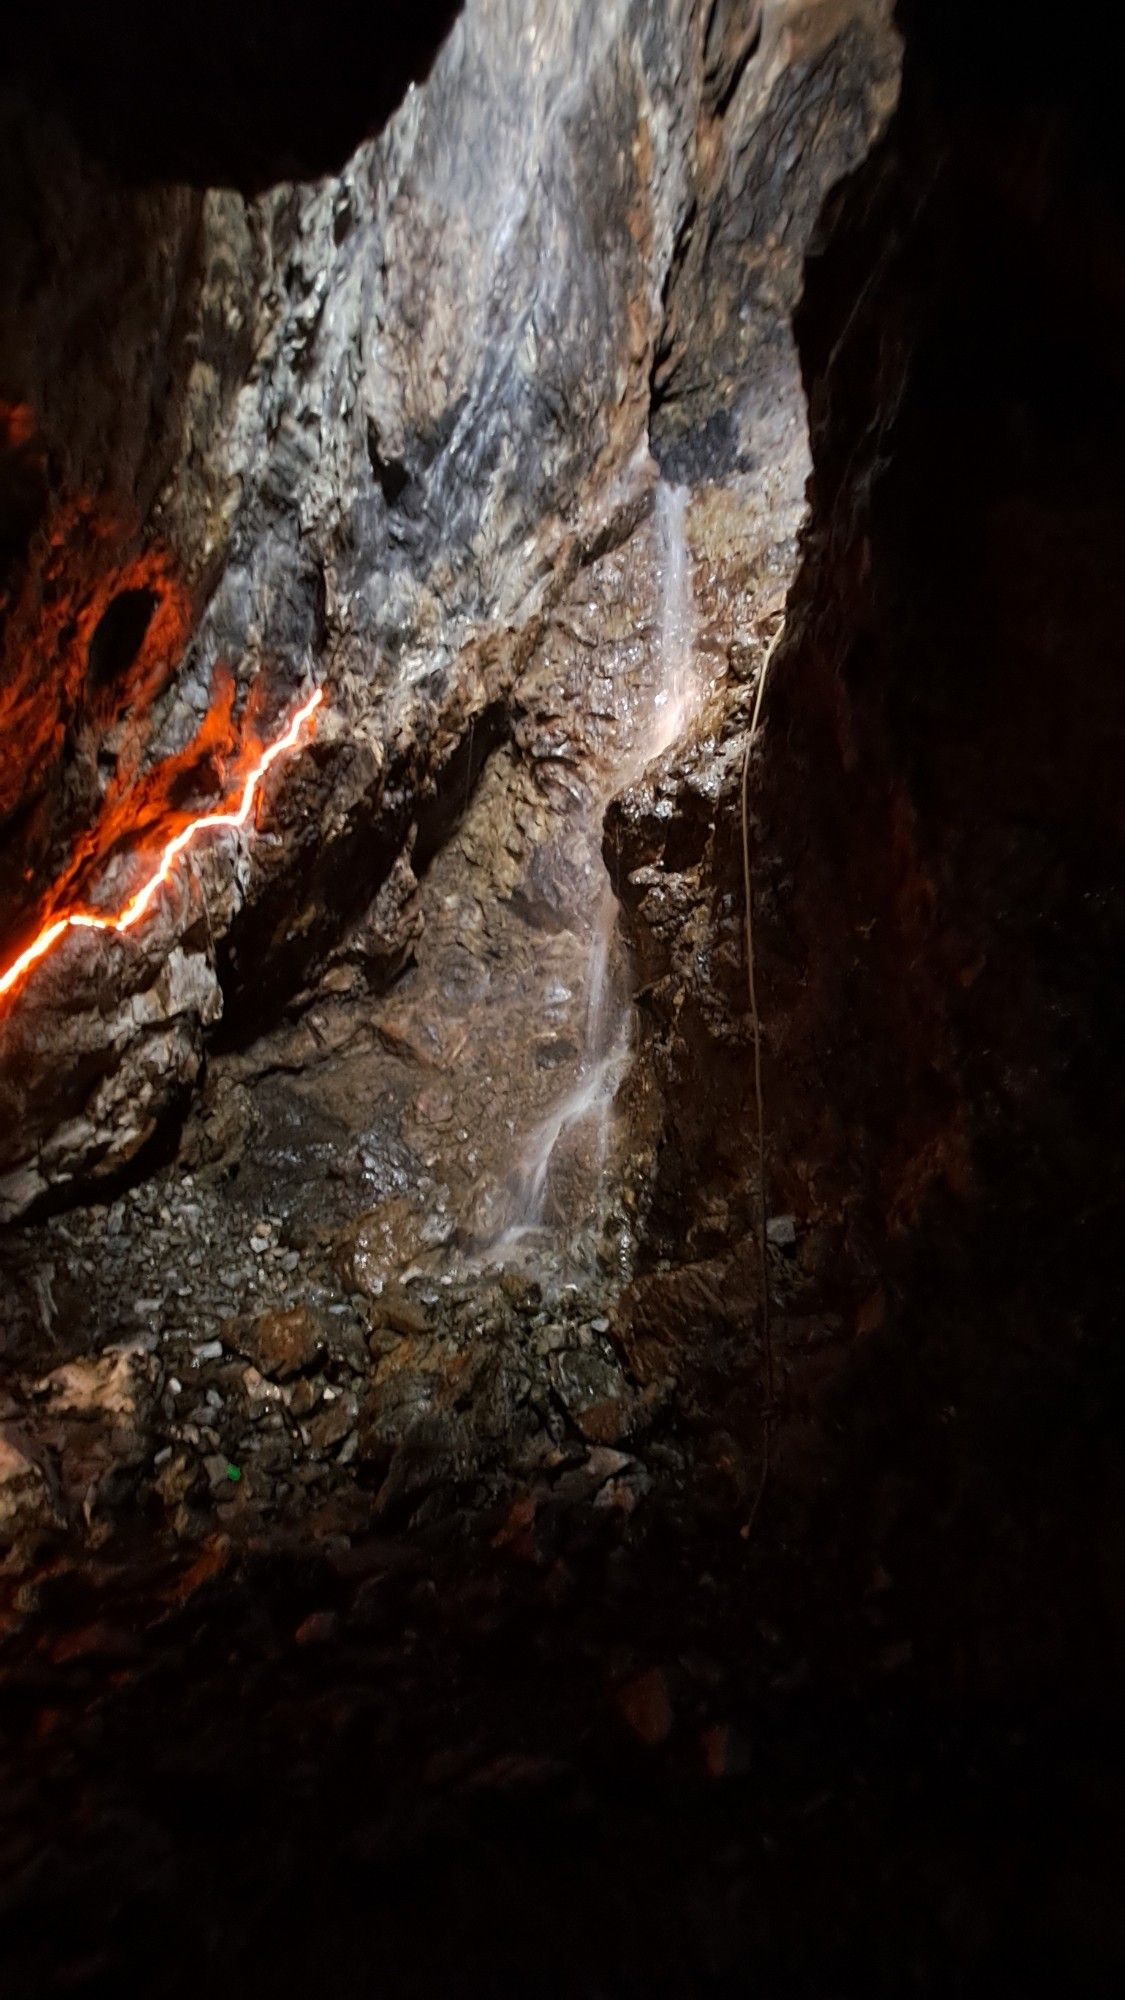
(399, 409)
(394, 1308)
(26, 1499)
(115, 1389)
(332, 1425)
(280, 1344)
(381, 1243)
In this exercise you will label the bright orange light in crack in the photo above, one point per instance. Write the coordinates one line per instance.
(134, 910)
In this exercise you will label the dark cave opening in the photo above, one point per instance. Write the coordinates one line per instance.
(118, 637)
(391, 476)
(417, 1565)
(192, 94)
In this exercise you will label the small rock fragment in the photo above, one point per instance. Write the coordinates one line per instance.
(398, 1311)
(646, 1706)
(280, 1344)
(318, 1629)
(333, 1423)
(304, 1396)
(782, 1229)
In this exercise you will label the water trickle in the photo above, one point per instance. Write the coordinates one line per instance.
(678, 688)
(544, 1192)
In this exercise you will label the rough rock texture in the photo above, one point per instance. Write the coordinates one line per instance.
(402, 448)
(935, 830)
(454, 1599)
(431, 489)
(363, 433)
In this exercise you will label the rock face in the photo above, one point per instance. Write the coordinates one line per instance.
(935, 835)
(411, 1586)
(363, 433)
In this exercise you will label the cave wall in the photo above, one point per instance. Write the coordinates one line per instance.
(936, 835)
(383, 402)
(361, 431)
(375, 429)
(949, 696)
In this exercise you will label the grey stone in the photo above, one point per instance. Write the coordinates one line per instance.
(782, 1229)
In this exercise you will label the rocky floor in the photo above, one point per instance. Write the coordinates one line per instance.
(575, 1748)
(293, 1319)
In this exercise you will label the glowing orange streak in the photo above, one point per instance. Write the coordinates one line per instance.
(89, 920)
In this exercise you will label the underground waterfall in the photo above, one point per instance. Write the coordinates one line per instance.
(648, 722)
(355, 1202)
(560, 1414)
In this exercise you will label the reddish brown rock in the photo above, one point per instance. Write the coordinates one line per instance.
(646, 1706)
(280, 1344)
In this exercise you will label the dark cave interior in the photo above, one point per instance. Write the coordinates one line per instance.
(469, 1521)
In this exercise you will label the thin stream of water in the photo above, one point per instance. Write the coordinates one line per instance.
(608, 1012)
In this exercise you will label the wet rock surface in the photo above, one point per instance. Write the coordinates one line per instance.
(399, 410)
